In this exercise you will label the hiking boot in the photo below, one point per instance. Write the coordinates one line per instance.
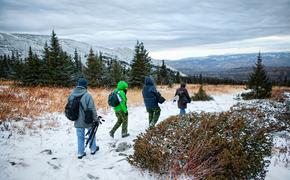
(111, 134)
(94, 152)
(125, 135)
(81, 156)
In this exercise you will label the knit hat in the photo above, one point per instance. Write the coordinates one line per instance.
(82, 82)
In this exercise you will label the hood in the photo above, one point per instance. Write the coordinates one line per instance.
(122, 85)
(78, 91)
(149, 81)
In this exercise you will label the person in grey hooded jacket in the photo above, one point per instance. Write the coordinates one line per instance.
(87, 102)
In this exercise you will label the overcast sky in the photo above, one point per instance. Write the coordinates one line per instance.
(170, 29)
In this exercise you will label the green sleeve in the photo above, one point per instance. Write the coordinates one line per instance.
(123, 104)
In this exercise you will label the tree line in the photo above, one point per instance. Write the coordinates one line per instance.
(55, 67)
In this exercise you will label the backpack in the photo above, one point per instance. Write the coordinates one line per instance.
(72, 108)
(183, 97)
(113, 99)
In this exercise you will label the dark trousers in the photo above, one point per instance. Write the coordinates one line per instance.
(122, 120)
(153, 116)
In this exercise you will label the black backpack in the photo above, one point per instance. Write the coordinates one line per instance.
(113, 99)
(72, 108)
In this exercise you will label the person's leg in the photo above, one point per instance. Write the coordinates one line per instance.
(124, 125)
(81, 141)
(118, 123)
(150, 113)
(182, 111)
(156, 116)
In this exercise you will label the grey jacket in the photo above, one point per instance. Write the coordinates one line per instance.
(87, 103)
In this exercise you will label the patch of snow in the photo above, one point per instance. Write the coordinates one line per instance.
(48, 149)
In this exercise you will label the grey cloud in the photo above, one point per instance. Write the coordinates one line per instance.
(160, 24)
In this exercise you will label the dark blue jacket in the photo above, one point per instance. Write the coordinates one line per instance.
(150, 94)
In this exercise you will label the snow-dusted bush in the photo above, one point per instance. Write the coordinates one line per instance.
(209, 145)
(201, 95)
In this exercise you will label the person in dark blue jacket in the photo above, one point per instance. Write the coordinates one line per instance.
(151, 97)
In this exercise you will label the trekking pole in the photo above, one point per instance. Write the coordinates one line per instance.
(92, 132)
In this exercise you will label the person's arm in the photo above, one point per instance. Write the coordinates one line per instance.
(91, 105)
(176, 92)
(187, 96)
(155, 92)
(123, 102)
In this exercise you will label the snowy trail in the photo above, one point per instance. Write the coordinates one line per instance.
(50, 152)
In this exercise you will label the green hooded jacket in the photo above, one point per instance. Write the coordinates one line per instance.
(122, 85)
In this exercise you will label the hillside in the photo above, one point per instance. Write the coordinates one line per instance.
(21, 42)
(234, 66)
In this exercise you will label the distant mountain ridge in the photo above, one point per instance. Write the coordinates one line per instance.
(21, 42)
(235, 66)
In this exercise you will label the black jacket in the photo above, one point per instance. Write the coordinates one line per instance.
(183, 97)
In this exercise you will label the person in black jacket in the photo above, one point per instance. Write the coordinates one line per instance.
(183, 98)
(151, 98)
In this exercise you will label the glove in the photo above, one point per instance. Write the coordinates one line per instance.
(100, 120)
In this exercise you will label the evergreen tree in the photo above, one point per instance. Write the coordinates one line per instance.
(163, 74)
(78, 63)
(32, 70)
(177, 77)
(2, 66)
(141, 65)
(258, 81)
(93, 70)
(200, 79)
(18, 67)
(45, 77)
(6, 68)
(117, 72)
(61, 67)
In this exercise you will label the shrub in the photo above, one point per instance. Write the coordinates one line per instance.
(201, 95)
(230, 144)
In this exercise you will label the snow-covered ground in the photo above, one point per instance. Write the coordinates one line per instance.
(47, 150)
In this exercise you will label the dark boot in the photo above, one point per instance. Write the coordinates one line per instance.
(94, 152)
(81, 156)
(125, 135)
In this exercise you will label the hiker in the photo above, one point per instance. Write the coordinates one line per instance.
(121, 110)
(183, 98)
(151, 99)
(86, 102)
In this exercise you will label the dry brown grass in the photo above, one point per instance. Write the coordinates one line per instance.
(277, 93)
(19, 102)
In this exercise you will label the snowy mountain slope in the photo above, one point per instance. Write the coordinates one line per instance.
(235, 66)
(48, 149)
(225, 62)
(228, 62)
(21, 42)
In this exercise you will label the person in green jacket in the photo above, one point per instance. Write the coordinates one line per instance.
(121, 110)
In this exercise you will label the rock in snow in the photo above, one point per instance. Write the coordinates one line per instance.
(123, 146)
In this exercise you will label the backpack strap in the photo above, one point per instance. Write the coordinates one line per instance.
(81, 102)
(119, 96)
